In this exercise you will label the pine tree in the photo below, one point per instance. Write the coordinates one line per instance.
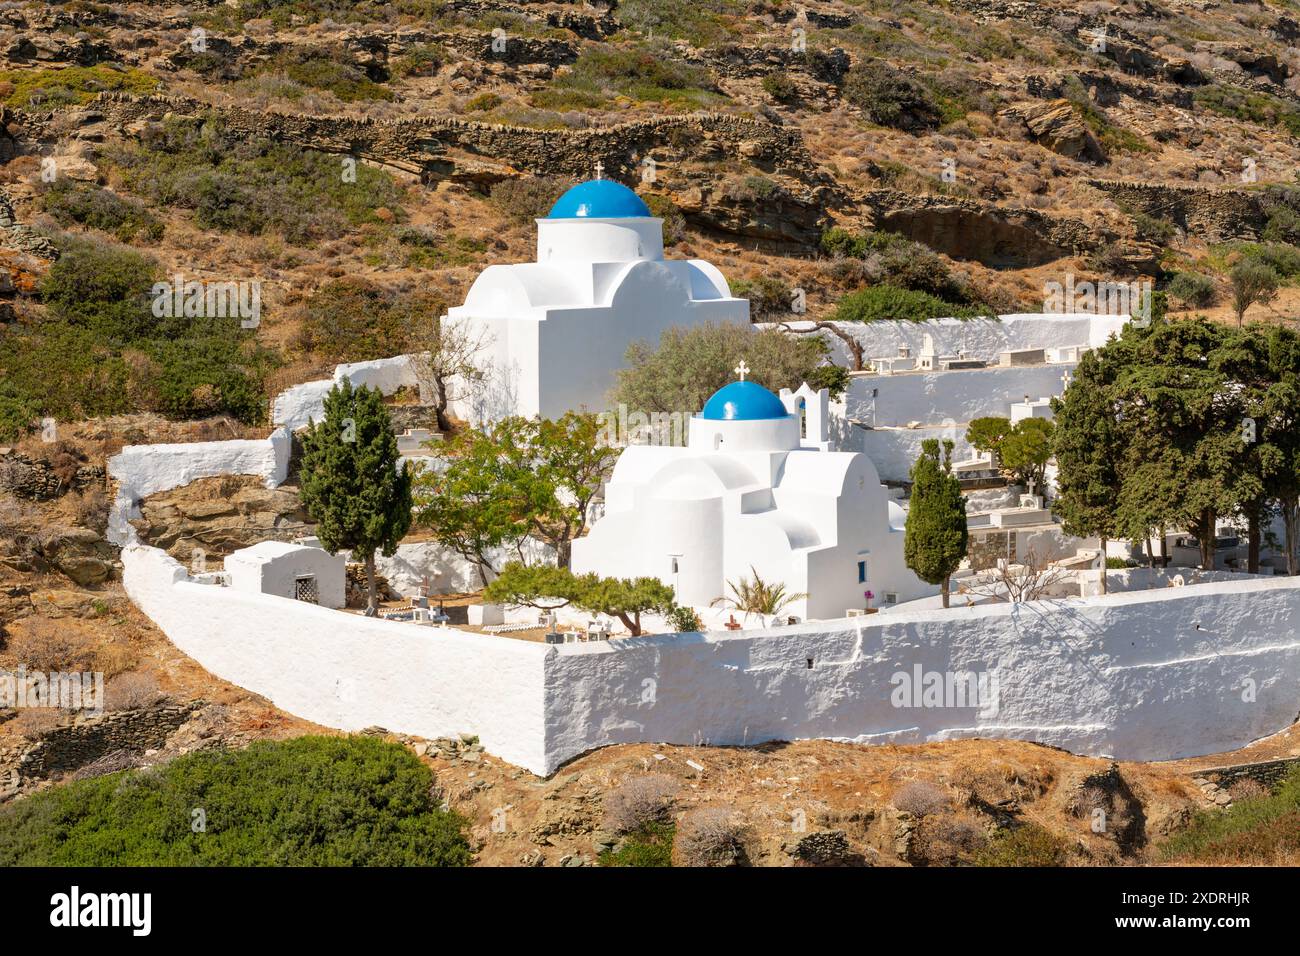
(354, 483)
(935, 539)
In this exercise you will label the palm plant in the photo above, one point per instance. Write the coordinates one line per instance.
(753, 595)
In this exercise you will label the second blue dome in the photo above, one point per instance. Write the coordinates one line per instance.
(743, 401)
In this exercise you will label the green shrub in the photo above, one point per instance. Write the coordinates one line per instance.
(886, 302)
(254, 186)
(1192, 289)
(72, 85)
(1024, 845)
(17, 411)
(1258, 831)
(311, 801)
(645, 73)
(651, 845)
(1283, 226)
(780, 87)
(897, 261)
(1252, 106)
(87, 205)
(662, 207)
(889, 97)
(102, 287)
(483, 102)
(326, 69)
(770, 298)
(421, 60)
(354, 320)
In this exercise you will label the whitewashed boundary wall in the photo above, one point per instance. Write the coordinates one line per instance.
(960, 395)
(981, 338)
(348, 671)
(1141, 676)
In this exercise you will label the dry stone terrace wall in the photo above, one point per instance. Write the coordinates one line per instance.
(424, 145)
(1215, 215)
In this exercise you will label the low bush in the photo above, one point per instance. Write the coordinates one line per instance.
(890, 97)
(528, 197)
(639, 802)
(310, 801)
(328, 69)
(780, 87)
(921, 799)
(1193, 289)
(86, 205)
(713, 836)
(1025, 845)
(890, 303)
(643, 72)
(354, 320)
(54, 87)
(649, 845)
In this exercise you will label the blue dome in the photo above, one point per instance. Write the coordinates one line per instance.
(599, 199)
(743, 401)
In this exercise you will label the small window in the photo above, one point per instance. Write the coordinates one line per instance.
(891, 597)
(304, 589)
(810, 660)
(675, 564)
(717, 441)
(862, 572)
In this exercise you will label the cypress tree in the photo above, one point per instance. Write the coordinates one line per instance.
(354, 483)
(935, 538)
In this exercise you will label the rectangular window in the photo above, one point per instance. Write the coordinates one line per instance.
(862, 572)
(891, 597)
(674, 565)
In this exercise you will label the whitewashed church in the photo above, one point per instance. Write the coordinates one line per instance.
(555, 331)
(756, 490)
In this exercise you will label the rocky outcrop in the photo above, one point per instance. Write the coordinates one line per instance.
(219, 515)
(981, 232)
(1214, 215)
(1057, 126)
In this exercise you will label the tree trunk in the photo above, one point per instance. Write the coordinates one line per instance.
(1164, 548)
(1290, 520)
(1103, 565)
(633, 626)
(1206, 539)
(1252, 536)
(372, 587)
(944, 589)
(440, 404)
(564, 552)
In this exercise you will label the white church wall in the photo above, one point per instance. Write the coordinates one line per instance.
(351, 672)
(960, 395)
(1143, 676)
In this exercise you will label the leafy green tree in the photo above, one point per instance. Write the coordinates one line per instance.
(887, 303)
(1252, 283)
(547, 587)
(516, 478)
(1026, 450)
(309, 801)
(1088, 448)
(354, 483)
(689, 365)
(935, 537)
(987, 434)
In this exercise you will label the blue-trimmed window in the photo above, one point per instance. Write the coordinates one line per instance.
(862, 572)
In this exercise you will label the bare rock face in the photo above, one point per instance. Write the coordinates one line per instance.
(1057, 126)
(221, 515)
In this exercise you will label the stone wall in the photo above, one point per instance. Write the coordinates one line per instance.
(35, 478)
(65, 749)
(1268, 772)
(1212, 215)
